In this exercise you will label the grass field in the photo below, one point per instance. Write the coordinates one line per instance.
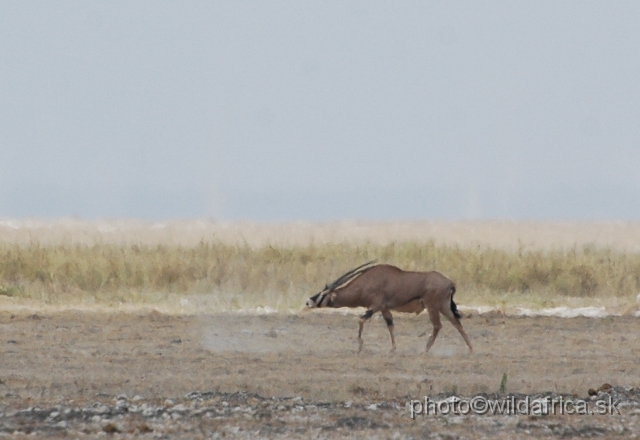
(223, 267)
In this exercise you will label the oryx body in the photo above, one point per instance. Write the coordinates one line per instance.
(384, 288)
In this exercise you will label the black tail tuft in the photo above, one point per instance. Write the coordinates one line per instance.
(454, 308)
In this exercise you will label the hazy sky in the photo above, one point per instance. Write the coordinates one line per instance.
(320, 110)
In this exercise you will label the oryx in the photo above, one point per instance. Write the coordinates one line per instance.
(383, 288)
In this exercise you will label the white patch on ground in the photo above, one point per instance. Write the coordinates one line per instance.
(558, 312)
(266, 310)
(567, 312)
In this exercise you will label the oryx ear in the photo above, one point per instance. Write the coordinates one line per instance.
(334, 295)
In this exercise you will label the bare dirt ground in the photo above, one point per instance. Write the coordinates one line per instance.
(86, 374)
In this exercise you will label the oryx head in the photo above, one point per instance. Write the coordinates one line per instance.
(326, 296)
(322, 298)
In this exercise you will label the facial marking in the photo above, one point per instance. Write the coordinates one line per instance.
(315, 300)
(324, 299)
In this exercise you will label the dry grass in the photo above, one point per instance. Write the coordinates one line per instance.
(231, 277)
(503, 235)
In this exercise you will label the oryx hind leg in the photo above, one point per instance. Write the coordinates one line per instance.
(448, 313)
(386, 314)
(434, 316)
(368, 314)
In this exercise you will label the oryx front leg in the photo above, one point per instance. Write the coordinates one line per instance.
(361, 322)
(434, 316)
(386, 314)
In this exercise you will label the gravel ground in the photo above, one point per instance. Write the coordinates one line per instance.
(246, 415)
